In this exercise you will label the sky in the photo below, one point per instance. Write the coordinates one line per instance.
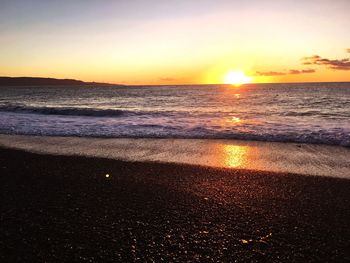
(176, 42)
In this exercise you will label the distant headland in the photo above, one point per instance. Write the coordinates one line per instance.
(33, 81)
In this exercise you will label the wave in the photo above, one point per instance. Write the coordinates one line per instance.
(327, 137)
(94, 112)
(65, 111)
(316, 113)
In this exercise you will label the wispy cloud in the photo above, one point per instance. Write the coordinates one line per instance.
(282, 73)
(270, 73)
(338, 64)
(303, 71)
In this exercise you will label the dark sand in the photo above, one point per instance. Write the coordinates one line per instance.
(64, 209)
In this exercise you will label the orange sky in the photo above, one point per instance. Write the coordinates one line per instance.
(157, 42)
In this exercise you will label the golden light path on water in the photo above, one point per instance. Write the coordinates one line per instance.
(235, 156)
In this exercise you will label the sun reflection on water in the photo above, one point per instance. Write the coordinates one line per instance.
(234, 120)
(235, 156)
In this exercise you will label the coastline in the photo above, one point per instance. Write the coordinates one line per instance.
(296, 158)
(64, 208)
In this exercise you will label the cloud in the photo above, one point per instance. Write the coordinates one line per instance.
(303, 71)
(337, 64)
(167, 79)
(270, 73)
(282, 73)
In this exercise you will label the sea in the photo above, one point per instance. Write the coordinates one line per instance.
(311, 113)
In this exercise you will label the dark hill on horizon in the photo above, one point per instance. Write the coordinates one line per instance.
(34, 81)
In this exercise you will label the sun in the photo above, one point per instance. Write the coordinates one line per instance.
(236, 78)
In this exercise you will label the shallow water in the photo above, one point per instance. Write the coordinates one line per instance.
(307, 159)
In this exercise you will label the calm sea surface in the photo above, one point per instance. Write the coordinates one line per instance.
(309, 113)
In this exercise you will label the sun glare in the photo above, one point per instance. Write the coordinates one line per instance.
(236, 78)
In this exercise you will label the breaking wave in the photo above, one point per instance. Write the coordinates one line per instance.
(65, 111)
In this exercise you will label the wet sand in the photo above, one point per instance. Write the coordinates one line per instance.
(307, 159)
(65, 209)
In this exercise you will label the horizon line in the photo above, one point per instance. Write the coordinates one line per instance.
(182, 84)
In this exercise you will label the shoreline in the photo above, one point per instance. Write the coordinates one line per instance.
(296, 158)
(64, 208)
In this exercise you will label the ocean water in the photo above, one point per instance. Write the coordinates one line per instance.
(317, 113)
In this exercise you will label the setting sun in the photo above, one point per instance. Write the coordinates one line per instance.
(236, 78)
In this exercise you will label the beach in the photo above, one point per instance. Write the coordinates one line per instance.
(191, 173)
(58, 208)
(174, 131)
